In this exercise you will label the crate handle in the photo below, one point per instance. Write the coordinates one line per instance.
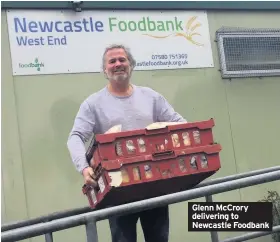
(165, 153)
(91, 149)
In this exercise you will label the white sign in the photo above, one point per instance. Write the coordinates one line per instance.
(52, 42)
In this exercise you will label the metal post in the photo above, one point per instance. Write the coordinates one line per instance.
(214, 234)
(91, 230)
(49, 237)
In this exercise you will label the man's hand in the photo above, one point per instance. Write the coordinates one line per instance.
(89, 177)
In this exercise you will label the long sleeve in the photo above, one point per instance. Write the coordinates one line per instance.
(81, 132)
(165, 112)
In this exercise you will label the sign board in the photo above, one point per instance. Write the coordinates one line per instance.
(53, 42)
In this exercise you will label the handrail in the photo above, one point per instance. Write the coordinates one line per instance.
(253, 235)
(46, 218)
(67, 213)
(92, 217)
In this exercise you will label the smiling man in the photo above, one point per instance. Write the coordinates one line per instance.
(133, 107)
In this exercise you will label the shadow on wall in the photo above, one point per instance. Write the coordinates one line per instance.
(47, 151)
(48, 166)
(62, 115)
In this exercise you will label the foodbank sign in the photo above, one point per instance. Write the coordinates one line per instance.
(75, 43)
(36, 64)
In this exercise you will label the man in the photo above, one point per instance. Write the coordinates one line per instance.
(134, 107)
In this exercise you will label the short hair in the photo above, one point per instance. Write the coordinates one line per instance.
(131, 60)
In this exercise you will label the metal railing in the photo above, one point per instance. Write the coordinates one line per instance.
(61, 221)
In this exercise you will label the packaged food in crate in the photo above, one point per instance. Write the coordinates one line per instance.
(145, 163)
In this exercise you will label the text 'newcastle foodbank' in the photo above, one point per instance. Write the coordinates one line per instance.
(146, 24)
(43, 32)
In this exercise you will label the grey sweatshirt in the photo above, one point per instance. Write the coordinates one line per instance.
(101, 111)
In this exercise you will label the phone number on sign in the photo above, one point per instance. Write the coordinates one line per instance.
(170, 56)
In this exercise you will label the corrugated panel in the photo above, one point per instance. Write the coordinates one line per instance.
(183, 5)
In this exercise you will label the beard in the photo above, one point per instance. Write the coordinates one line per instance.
(119, 77)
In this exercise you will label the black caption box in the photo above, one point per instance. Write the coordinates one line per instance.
(225, 216)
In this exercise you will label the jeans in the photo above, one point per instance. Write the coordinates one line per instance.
(154, 222)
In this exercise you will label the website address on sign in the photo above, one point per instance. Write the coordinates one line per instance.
(165, 60)
(162, 63)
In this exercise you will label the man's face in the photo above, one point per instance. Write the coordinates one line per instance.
(117, 66)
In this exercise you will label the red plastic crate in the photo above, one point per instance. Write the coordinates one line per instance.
(140, 164)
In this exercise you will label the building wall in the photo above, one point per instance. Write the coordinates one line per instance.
(38, 112)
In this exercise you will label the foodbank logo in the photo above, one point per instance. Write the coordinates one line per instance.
(36, 64)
